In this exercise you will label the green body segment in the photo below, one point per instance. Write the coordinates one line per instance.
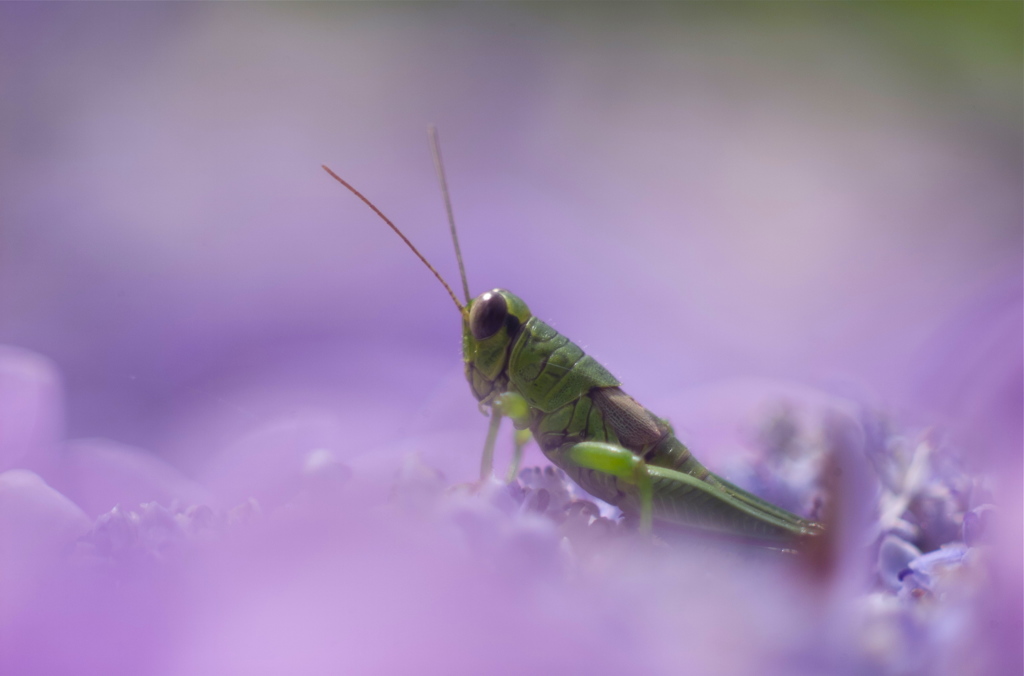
(573, 402)
(549, 370)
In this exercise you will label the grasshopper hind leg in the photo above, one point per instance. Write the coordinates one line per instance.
(768, 508)
(751, 505)
(678, 498)
(614, 462)
(714, 504)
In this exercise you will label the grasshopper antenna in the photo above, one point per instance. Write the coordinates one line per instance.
(405, 239)
(435, 150)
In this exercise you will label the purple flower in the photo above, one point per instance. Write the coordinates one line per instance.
(247, 445)
(336, 575)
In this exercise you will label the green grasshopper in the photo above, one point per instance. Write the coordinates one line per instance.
(614, 448)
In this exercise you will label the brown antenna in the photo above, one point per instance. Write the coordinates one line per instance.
(435, 150)
(405, 239)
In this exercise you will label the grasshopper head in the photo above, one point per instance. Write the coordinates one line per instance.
(489, 327)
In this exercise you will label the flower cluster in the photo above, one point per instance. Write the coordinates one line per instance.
(489, 577)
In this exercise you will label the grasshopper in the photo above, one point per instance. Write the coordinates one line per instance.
(614, 448)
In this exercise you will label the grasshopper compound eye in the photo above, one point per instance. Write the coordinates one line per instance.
(487, 315)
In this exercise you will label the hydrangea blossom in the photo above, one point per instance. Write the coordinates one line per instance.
(258, 463)
(421, 575)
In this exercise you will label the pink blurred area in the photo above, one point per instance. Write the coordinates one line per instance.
(689, 194)
(710, 200)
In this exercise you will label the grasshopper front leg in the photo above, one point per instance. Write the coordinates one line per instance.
(515, 407)
(487, 460)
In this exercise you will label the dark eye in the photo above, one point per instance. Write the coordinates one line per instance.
(488, 315)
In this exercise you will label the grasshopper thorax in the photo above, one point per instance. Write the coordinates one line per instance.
(489, 328)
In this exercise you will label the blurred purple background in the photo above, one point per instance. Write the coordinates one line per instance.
(830, 195)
